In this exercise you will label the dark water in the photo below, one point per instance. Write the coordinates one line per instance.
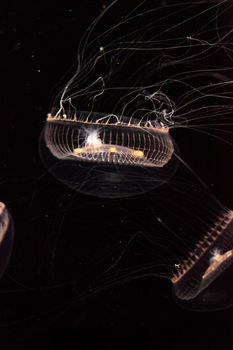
(72, 279)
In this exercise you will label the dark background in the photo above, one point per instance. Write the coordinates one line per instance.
(50, 295)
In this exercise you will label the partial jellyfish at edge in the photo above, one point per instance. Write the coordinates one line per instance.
(6, 237)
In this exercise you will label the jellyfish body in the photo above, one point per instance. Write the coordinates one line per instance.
(213, 254)
(108, 140)
(6, 237)
(217, 296)
(108, 156)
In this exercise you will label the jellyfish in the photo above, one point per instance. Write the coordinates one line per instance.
(6, 237)
(97, 139)
(109, 156)
(213, 254)
(109, 132)
(202, 250)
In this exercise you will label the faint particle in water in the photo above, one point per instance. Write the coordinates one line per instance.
(17, 46)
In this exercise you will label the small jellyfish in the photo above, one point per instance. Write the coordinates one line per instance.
(213, 254)
(190, 243)
(107, 156)
(6, 237)
(218, 295)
